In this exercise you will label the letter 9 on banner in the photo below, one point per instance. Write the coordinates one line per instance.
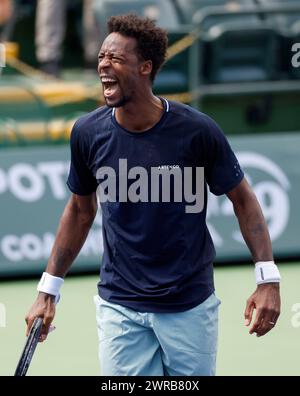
(271, 194)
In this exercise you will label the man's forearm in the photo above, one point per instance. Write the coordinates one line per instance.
(254, 229)
(72, 232)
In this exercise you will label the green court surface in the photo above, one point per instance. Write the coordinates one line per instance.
(72, 348)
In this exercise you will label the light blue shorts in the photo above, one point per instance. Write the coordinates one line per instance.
(136, 343)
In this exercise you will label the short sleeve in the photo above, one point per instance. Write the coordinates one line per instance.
(223, 171)
(81, 180)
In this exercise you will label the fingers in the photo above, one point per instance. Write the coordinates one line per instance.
(258, 321)
(265, 320)
(266, 301)
(48, 319)
(29, 321)
(268, 321)
(46, 327)
(44, 308)
(249, 312)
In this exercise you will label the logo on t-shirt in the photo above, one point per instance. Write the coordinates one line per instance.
(168, 167)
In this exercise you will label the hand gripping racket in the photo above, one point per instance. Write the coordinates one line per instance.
(29, 348)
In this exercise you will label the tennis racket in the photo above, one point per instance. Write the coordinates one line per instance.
(29, 348)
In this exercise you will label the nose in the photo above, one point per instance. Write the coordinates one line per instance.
(103, 63)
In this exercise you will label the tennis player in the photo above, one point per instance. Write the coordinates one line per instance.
(157, 311)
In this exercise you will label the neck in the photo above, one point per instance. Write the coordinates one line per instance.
(141, 114)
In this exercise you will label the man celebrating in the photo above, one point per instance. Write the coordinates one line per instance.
(157, 312)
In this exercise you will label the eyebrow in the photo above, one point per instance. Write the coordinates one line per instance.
(132, 51)
(111, 53)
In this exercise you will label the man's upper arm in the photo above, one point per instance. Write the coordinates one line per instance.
(85, 204)
(241, 194)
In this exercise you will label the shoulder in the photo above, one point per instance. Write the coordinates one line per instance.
(86, 127)
(194, 119)
(93, 118)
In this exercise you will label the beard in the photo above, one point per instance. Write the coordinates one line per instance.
(124, 99)
(121, 98)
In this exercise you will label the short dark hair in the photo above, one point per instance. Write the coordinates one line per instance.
(152, 41)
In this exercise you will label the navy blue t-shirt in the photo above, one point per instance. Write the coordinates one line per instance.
(157, 257)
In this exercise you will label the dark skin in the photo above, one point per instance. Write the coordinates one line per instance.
(266, 298)
(137, 110)
(118, 58)
(74, 226)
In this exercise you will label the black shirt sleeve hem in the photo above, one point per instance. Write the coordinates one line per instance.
(230, 186)
(77, 192)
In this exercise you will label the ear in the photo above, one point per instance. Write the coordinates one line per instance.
(146, 68)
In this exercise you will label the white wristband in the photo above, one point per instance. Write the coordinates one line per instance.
(51, 285)
(266, 272)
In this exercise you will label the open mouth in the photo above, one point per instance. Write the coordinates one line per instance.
(110, 86)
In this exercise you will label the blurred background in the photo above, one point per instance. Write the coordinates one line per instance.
(236, 60)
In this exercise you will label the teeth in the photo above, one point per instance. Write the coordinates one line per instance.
(108, 80)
